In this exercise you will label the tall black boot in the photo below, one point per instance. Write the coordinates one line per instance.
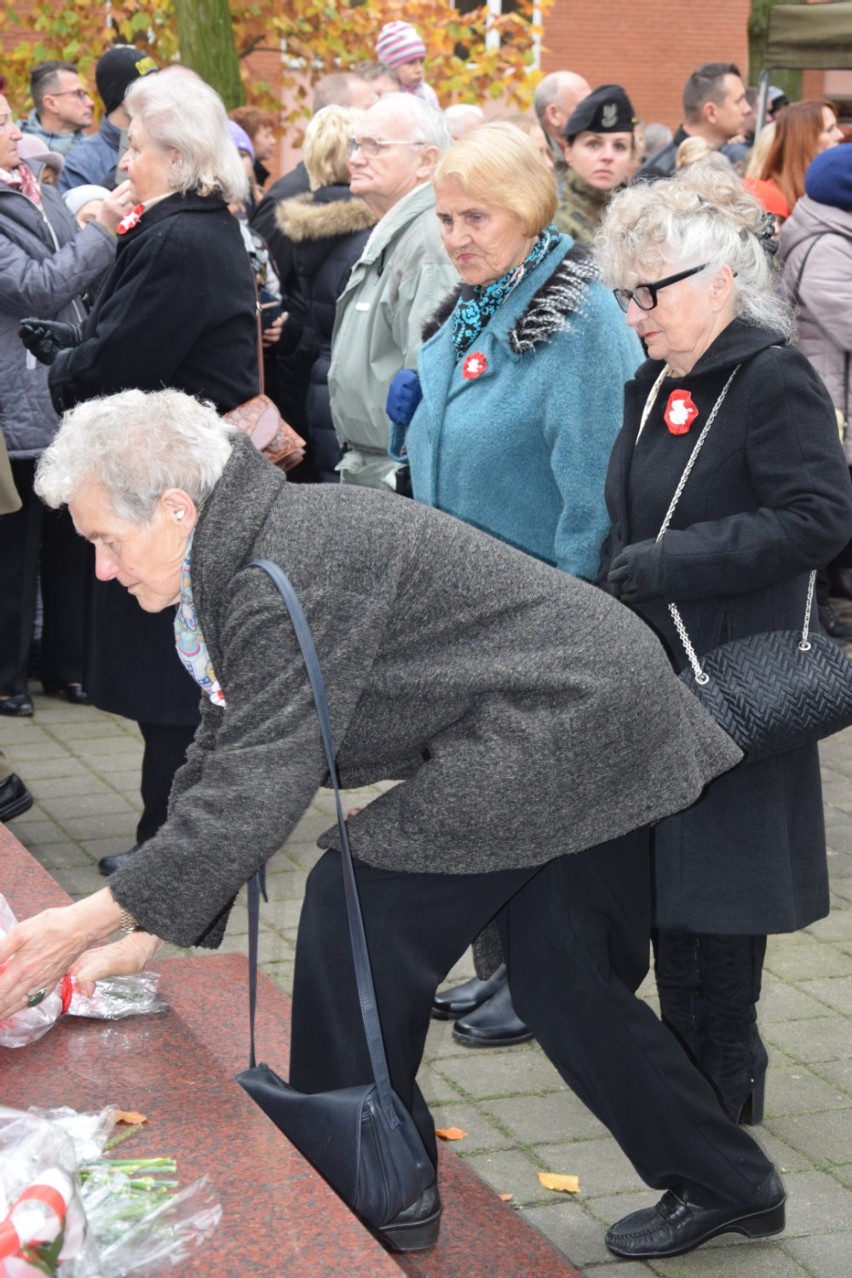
(730, 1052)
(678, 976)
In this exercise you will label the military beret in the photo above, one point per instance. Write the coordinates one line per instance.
(606, 110)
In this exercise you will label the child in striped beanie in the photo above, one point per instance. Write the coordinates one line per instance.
(399, 46)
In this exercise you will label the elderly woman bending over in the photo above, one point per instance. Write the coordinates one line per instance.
(473, 672)
(768, 500)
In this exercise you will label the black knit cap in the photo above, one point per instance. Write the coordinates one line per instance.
(117, 69)
(606, 110)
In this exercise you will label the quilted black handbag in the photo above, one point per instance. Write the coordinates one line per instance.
(773, 691)
(362, 1139)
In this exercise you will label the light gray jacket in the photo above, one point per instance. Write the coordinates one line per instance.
(528, 713)
(395, 286)
(45, 264)
(816, 245)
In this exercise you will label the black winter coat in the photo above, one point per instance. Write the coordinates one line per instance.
(769, 500)
(326, 230)
(176, 310)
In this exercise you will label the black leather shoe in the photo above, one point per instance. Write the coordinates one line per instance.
(109, 864)
(15, 798)
(677, 1225)
(833, 625)
(449, 1004)
(417, 1227)
(73, 692)
(494, 1024)
(20, 704)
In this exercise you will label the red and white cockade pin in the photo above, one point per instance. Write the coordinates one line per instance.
(130, 219)
(680, 412)
(474, 365)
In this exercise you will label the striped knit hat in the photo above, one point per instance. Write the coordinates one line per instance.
(399, 42)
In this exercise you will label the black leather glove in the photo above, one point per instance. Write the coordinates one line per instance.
(46, 338)
(637, 572)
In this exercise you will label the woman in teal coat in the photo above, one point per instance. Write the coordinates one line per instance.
(522, 375)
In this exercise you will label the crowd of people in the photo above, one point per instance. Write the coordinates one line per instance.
(496, 337)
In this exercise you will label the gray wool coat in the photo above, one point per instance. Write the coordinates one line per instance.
(527, 713)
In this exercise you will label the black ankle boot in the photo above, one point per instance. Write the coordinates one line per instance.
(494, 1024)
(461, 1000)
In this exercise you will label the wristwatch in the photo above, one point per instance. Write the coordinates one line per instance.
(126, 921)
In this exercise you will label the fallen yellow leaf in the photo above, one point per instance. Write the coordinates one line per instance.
(506, 1198)
(562, 1184)
(130, 1116)
(450, 1133)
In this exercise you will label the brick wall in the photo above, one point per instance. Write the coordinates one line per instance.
(649, 48)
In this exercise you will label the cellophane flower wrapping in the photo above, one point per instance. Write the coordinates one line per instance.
(114, 997)
(67, 1210)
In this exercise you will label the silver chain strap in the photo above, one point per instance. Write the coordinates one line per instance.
(804, 643)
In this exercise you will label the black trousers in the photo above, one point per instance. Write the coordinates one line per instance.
(165, 751)
(575, 933)
(36, 541)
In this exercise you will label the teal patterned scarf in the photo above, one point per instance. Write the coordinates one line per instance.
(473, 313)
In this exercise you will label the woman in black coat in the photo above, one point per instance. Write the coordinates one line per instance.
(327, 229)
(177, 310)
(768, 501)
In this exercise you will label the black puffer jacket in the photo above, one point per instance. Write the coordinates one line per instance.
(327, 230)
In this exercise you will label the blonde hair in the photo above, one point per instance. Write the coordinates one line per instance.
(691, 150)
(499, 164)
(762, 146)
(702, 214)
(325, 147)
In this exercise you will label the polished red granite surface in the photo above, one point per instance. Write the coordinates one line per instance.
(280, 1218)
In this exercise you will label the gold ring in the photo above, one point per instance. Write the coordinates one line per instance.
(35, 999)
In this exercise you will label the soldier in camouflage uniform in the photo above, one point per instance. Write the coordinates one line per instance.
(601, 155)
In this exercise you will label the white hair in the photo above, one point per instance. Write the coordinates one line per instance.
(701, 214)
(184, 114)
(136, 445)
(424, 123)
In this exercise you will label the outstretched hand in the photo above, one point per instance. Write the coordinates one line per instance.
(131, 954)
(46, 338)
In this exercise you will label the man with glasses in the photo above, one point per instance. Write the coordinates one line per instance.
(62, 110)
(95, 160)
(398, 283)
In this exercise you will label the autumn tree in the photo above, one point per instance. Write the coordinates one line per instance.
(472, 56)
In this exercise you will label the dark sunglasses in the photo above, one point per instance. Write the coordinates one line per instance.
(645, 295)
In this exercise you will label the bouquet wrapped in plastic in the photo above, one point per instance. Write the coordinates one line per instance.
(69, 1211)
(114, 997)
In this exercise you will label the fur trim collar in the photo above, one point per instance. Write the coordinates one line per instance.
(303, 218)
(549, 310)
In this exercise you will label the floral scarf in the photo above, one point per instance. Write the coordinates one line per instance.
(191, 647)
(24, 180)
(473, 313)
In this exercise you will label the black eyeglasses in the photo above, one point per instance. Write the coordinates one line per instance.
(645, 295)
(69, 93)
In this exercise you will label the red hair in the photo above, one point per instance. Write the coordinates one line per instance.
(797, 130)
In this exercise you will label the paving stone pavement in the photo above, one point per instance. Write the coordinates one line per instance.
(83, 768)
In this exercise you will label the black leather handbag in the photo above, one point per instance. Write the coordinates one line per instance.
(773, 691)
(362, 1139)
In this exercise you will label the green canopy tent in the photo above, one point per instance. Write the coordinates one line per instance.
(806, 37)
